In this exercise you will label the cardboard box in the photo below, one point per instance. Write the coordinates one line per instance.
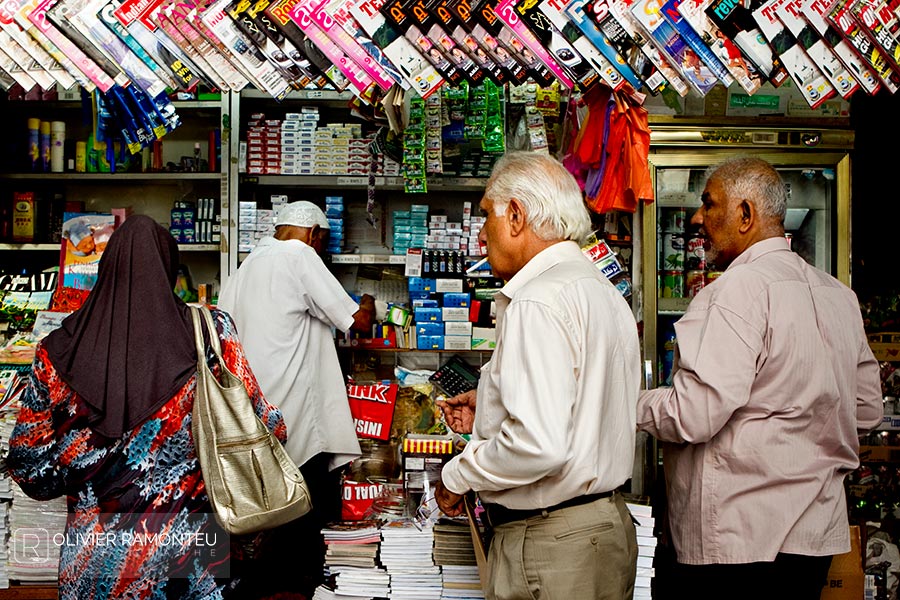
(24, 207)
(846, 580)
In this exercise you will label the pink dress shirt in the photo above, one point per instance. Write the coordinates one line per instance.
(774, 384)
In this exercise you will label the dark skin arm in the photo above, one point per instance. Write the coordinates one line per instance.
(365, 316)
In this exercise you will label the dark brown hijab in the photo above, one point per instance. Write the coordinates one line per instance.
(130, 347)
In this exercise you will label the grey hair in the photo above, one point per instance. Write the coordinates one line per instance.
(554, 206)
(753, 179)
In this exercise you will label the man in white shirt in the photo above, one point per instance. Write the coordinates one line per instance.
(553, 437)
(284, 302)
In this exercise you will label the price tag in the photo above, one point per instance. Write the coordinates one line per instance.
(345, 259)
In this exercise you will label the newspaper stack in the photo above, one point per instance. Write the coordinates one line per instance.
(35, 529)
(406, 553)
(7, 422)
(350, 562)
(642, 513)
(454, 552)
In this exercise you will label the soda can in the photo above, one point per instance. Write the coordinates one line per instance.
(694, 254)
(674, 222)
(673, 252)
(673, 284)
(694, 281)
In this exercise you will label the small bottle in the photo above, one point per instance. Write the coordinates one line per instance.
(197, 156)
(57, 145)
(45, 146)
(80, 157)
(34, 144)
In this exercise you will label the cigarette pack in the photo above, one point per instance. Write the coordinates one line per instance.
(399, 16)
(814, 12)
(736, 21)
(647, 14)
(434, 31)
(670, 12)
(589, 50)
(743, 71)
(421, 75)
(621, 29)
(789, 13)
(520, 36)
(814, 86)
(840, 15)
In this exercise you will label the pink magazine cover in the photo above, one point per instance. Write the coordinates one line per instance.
(16, 11)
(810, 81)
(421, 74)
(178, 13)
(349, 45)
(841, 17)
(360, 81)
(340, 12)
(38, 17)
(244, 51)
(506, 12)
(242, 78)
(814, 12)
(789, 13)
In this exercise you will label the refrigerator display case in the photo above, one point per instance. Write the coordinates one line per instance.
(815, 166)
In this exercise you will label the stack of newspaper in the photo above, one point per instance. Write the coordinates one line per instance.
(642, 514)
(406, 554)
(36, 527)
(351, 567)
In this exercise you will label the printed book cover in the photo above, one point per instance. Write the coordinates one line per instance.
(84, 238)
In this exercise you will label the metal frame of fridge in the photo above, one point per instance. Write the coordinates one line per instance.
(693, 147)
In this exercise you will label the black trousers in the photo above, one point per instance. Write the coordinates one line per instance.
(291, 557)
(788, 577)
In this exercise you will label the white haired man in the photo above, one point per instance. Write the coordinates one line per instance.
(553, 437)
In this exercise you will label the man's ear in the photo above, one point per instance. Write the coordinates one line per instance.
(515, 216)
(313, 235)
(748, 215)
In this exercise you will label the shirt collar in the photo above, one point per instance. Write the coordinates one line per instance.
(540, 262)
(759, 249)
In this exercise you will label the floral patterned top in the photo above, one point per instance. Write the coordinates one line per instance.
(139, 523)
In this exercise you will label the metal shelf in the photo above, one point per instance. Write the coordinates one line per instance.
(198, 247)
(29, 246)
(117, 177)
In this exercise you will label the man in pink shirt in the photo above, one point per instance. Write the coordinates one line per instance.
(774, 384)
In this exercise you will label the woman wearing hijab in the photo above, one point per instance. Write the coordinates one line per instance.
(106, 420)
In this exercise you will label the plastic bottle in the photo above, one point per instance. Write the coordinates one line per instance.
(34, 144)
(57, 144)
(45, 146)
(80, 157)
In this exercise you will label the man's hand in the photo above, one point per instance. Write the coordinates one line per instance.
(459, 411)
(365, 316)
(450, 504)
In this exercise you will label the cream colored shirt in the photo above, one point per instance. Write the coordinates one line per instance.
(775, 382)
(556, 402)
(284, 302)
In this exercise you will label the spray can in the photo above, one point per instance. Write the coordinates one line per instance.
(57, 144)
(34, 144)
(45, 146)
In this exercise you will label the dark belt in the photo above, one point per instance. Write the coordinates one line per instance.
(500, 515)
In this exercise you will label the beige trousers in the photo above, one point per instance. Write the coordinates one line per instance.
(586, 552)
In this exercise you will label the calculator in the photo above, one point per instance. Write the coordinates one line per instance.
(456, 377)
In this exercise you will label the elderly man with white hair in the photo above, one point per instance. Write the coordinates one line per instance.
(284, 302)
(554, 430)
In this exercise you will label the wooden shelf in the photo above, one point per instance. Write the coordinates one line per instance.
(30, 592)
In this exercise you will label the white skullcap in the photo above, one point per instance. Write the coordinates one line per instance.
(301, 214)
